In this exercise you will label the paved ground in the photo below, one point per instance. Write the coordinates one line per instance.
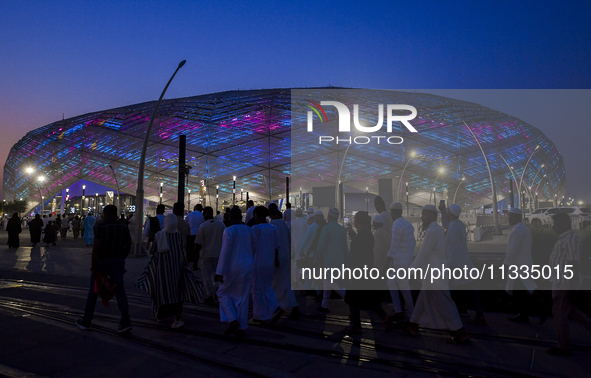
(42, 292)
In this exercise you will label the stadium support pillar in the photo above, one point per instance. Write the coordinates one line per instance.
(182, 168)
(286, 190)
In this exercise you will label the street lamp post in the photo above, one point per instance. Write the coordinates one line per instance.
(96, 204)
(233, 190)
(412, 154)
(161, 184)
(189, 199)
(217, 196)
(407, 212)
(82, 200)
(441, 170)
(525, 168)
(492, 182)
(367, 199)
(139, 196)
(456, 192)
(118, 193)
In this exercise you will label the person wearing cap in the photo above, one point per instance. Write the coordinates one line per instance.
(332, 252)
(234, 272)
(249, 211)
(401, 252)
(282, 280)
(519, 254)
(567, 251)
(456, 250)
(434, 307)
(310, 211)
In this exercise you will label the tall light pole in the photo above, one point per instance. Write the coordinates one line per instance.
(161, 184)
(189, 199)
(367, 199)
(139, 194)
(456, 192)
(118, 193)
(217, 196)
(95, 204)
(440, 170)
(234, 190)
(82, 200)
(524, 169)
(407, 212)
(412, 154)
(492, 182)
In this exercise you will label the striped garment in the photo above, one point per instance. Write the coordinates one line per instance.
(567, 250)
(166, 277)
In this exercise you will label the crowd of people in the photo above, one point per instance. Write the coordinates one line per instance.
(247, 261)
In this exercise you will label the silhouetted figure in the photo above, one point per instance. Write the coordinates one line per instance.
(13, 227)
(35, 229)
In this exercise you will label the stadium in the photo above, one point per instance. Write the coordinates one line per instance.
(255, 136)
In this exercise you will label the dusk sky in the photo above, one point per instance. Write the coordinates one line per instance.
(71, 58)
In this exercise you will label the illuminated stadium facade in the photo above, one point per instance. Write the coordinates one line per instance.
(248, 134)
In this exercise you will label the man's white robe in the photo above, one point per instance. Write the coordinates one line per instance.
(434, 307)
(236, 264)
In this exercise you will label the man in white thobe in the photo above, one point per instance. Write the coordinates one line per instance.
(206, 252)
(435, 308)
(519, 254)
(264, 304)
(282, 280)
(234, 272)
(402, 250)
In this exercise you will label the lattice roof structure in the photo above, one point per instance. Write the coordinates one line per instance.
(248, 134)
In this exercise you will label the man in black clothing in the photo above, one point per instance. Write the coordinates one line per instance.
(112, 243)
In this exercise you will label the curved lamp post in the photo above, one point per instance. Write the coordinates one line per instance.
(118, 193)
(412, 155)
(441, 170)
(492, 183)
(461, 181)
(139, 194)
(523, 172)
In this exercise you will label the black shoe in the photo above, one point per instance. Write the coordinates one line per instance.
(123, 329)
(277, 314)
(80, 325)
(234, 325)
(520, 318)
(559, 352)
(322, 310)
